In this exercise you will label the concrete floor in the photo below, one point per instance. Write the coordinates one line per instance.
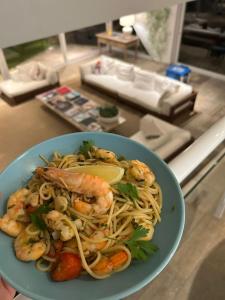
(197, 270)
(201, 58)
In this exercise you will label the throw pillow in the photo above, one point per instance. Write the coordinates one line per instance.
(125, 72)
(108, 65)
(97, 68)
(144, 80)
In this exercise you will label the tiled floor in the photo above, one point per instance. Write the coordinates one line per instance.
(197, 270)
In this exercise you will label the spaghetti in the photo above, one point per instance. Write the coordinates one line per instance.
(61, 211)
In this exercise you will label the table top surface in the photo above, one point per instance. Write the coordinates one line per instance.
(118, 37)
(80, 111)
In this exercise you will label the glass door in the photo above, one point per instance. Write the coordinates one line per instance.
(203, 35)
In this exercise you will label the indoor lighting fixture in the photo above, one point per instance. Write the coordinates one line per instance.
(127, 22)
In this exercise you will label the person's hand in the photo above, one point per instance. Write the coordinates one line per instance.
(6, 291)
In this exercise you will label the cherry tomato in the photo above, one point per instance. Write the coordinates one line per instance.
(68, 266)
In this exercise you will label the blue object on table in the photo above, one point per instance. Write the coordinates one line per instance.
(178, 72)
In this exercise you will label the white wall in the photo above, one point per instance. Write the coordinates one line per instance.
(25, 20)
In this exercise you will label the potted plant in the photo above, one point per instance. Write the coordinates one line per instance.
(108, 114)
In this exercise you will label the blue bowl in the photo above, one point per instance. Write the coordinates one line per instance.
(37, 285)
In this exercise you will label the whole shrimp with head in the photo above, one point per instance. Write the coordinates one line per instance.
(82, 184)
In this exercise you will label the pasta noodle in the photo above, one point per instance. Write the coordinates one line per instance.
(92, 220)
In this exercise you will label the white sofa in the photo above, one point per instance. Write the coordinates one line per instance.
(159, 94)
(170, 141)
(27, 81)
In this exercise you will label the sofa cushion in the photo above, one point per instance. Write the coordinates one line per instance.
(111, 83)
(143, 80)
(13, 88)
(125, 72)
(29, 72)
(104, 65)
(146, 99)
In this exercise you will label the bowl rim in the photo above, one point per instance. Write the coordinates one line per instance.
(161, 266)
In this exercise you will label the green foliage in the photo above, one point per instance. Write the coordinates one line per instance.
(85, 148)
(129, 190)
(36, 218)
(108, 111)
(140, 250)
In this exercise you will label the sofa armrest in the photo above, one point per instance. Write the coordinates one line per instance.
(52, 76)
(177, 100)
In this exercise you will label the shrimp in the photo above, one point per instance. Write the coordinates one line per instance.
(10, 227)
(107, 265)
(10, 222)
(58, 221)
(28, 247)
(147, 226)
(81, 206)
(81, 183)
(15, 206)
(106, 155)
(98, 242)
(140, 171)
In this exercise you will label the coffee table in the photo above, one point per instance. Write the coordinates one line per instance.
(80, 111)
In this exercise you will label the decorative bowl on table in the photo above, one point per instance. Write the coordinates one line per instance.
(108, 114)
(37, 285)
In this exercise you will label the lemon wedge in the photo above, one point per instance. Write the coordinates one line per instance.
(111, 174)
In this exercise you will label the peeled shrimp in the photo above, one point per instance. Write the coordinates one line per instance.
(98, 242)
(141, 171)
(15, 206)
(10, 227)
(106, 155)
(57, 221)
(110, 264)
(9, 223)
(81, 183)
(29, 247)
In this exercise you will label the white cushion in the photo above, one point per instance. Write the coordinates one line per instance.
(29, 72)
(125, 72)
(147, 99)
(13, 88)
(108, 82)
(108, 65)
(169, 142)
(143, 80)
(104, 65)
(150, 127)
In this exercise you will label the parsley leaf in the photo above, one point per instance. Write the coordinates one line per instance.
(85, 148)
(43, 209)
(129, 190)
(36, 218)
(140, 249)
(37, 221)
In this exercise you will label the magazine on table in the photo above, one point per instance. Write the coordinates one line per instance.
(73, 106)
